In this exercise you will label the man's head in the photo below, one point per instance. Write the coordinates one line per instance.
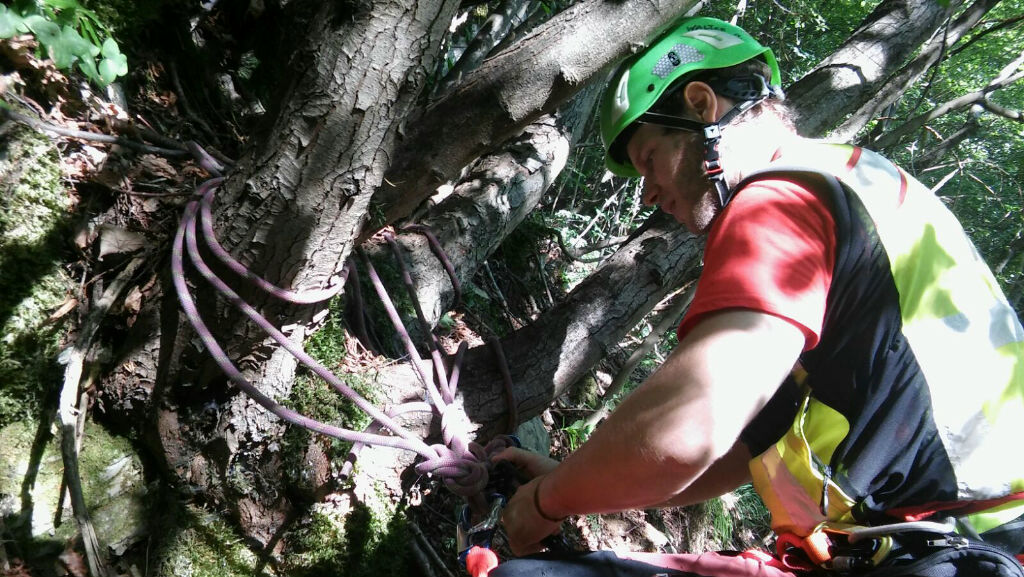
(702, 75)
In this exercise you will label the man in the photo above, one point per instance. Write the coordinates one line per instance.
(846, 350)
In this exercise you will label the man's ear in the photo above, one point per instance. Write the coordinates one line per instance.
(701, 100)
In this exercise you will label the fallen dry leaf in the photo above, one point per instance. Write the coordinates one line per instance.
(117, 240)
(68, 306)
(157, 166)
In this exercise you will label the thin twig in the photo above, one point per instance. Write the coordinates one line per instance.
(69, 399)
(176, 81)
(678, 303)
(422, 560)
(544, 278)
(429, 549)
(501, 296)
(91, 136)
(152, 194)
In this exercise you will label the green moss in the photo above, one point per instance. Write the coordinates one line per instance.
(372, 540)
(317, 399)
(199, 543)
(586, 392)
(34, 214)
(391, 277)
(112, 483)
(327, 345)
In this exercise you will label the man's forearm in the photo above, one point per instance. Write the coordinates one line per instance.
(725, 475)
(681, 421)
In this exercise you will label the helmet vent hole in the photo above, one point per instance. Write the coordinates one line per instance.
(650, 88)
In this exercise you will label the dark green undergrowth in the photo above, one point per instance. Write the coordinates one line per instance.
(365, 545)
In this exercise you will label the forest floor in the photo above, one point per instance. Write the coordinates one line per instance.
(125, 196)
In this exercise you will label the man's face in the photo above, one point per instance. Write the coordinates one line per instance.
(671, 161)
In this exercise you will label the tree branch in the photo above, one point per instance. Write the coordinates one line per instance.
(1008, 113)
(75, 359)
(934, 155)
(848, 78)
(675, 305)
(896, 85)
(1004, 79)
(495, 28)
(1009, 22)
(513, 89)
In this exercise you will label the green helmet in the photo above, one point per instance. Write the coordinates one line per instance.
(694, 44)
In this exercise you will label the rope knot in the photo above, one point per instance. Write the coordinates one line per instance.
(464, 475)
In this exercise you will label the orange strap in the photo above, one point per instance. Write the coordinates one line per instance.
(811, 551)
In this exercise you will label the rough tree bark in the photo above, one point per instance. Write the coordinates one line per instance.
(930, 55)
(549, 355)
(292, 211)
(497, 26)
(851, 75)
(489, 202)
(514, 88)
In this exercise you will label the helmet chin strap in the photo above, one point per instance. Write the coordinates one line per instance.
(712, 136)
(712, 162)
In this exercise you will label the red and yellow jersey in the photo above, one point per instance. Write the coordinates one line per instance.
(910, 399)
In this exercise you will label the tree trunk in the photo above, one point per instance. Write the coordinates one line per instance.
(299, 201)
(490, 201)
(290, 212)
(493, 31)
(849, 77)
(930, 55)
(548, 356)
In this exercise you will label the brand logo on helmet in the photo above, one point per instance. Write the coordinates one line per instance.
(677, 55)
(716, 38)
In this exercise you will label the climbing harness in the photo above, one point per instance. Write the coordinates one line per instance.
(916, 548)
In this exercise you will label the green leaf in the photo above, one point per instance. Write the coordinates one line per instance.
(9, 22)
(46, 32)
(61, 55)
(111, 68)
(110, 49)
(76, 44)
(89, 32)
(63, 4)
(88, 66)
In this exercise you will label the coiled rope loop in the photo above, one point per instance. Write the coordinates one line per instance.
(461, 463)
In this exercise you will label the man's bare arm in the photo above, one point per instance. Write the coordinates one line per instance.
(669, 431)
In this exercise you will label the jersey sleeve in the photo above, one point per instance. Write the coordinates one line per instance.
(771, 250)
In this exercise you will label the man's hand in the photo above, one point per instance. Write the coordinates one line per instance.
(524, 525)
(530, 464)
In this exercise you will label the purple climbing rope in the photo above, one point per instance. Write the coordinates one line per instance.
(462, 464)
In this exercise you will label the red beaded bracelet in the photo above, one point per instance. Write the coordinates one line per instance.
(536, 505)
